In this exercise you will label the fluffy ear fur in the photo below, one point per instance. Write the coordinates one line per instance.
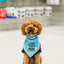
(40, 29)
(23, 29)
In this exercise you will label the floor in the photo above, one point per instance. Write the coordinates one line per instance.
(51, 39)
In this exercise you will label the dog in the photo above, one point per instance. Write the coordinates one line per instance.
(31, 29)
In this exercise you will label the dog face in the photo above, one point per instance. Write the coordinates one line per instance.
(31, 28)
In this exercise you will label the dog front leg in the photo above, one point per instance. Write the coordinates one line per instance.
(26, 59)
(37, 58)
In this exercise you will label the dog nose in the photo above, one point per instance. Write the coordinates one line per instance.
(30, 27)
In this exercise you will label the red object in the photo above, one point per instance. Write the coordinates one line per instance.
(40, 47)
(2, 13)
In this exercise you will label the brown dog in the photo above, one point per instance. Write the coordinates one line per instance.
(31, 28)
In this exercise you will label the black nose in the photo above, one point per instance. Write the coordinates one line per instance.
(30, 27)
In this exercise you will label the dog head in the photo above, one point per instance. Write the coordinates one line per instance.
(31, 28)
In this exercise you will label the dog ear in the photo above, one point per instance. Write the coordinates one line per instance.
(23, 29)
(39, 29)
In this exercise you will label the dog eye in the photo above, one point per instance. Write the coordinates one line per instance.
(34, 25)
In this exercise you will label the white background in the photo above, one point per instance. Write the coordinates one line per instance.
(51, 39)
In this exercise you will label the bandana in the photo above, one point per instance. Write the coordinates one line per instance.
(31, 45)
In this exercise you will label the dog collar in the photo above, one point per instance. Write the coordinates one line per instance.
(31, 37)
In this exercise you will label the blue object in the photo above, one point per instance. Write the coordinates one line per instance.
(2, 0)
(12, 17)
(31, 45)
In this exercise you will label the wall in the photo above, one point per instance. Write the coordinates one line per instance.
(57, 18)
(21, 3)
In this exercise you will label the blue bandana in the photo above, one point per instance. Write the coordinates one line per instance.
(31, 45)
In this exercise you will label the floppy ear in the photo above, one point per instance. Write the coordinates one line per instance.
(23, 29)
(39, 29)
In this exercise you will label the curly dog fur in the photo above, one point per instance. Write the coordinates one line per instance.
(36, 30)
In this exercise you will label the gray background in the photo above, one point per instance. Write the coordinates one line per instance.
(57, 19)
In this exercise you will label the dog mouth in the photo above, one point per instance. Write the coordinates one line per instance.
(30, 32)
